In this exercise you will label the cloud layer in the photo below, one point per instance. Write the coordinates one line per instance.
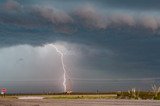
(38, 24)
(88, 16)
(106, 40)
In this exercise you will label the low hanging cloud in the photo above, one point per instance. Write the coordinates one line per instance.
(12, 5)
(150, 22)
(38, 24)
(91, 17)
(87, 16)
(122, 18)
(52, 15)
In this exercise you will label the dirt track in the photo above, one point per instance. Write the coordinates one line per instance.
(16, 102)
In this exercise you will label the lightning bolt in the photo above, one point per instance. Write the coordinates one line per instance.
(63, 66)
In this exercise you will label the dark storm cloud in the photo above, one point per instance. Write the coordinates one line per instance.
(39, 24)
(127, 4)
(118, 29)
(11, 5)
(135, 4)
(115, 38)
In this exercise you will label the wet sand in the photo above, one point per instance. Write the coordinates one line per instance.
(76, 102)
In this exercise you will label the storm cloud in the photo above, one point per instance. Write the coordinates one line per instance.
(50, 19)
(105, 39)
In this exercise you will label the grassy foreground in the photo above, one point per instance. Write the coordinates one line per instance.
(109, 96)
(92, 96)
(112, 95)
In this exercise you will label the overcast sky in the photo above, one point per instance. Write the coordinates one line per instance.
(107, 44)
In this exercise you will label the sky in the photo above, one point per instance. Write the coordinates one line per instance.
(108, 45)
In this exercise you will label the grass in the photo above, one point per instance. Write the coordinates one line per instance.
(139, 95)
(75, 96)
(9, 97)
(109, 96)
(121, 95)
(131, 94)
